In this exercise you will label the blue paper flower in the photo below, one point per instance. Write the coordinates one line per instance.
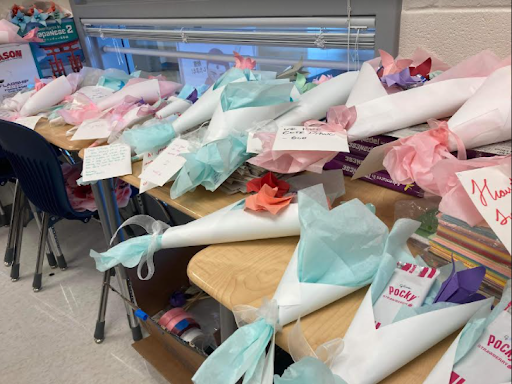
(39, 17)
(57, 16)
(21, 20)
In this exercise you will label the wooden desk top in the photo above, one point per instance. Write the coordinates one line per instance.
(57, 136)
(195, 204)
(244, 273)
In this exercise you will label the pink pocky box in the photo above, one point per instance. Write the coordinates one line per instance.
(409, 286)
(489, 361)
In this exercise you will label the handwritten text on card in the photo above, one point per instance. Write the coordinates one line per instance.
(490, 189)
(167, 164)
(105, 162)
(310, 139)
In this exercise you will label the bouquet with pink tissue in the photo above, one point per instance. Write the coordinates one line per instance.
(379, 112)
(9, 34)
(484, 119)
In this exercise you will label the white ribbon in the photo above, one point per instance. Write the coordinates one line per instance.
(154, 228)
(269, 311)
(299, 347)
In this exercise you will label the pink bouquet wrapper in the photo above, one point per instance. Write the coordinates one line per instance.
(9, 34)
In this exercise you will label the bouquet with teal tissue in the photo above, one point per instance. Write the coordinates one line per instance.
(244, 104)
(225, 142)
(334, 258)
(154, 133)
(230, 224)
(414, 330)
(481, 353)
(203, 109)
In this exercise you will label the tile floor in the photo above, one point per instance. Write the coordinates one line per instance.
(47, 337)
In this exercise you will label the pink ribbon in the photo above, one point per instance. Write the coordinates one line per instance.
(339, 119)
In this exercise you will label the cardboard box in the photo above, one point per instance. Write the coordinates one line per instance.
(17, 69)
(60, 53)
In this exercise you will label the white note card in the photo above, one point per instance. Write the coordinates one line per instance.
(309, 139)
(92, 130)
(167, 164)
(148, 159)
(96, 93)
(29, 122)
(107, 161)
(490, 190)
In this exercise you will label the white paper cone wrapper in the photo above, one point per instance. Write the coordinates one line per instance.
(201, 111)
(177, 106)
(370, 355)
(52, 94)
(149, 91)
(296, 299)
(368, 87)
(412, 107)
(240, 120)
(485, 118)
(313, 105)
(227, 225)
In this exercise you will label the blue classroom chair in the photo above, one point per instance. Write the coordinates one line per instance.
(40, 177)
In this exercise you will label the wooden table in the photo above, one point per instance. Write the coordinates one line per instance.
(244, 273)
(56, 135)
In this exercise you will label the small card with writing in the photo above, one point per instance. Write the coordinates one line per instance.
(148, 159)
(310, 139)
(29, 122)
(167, 164)
(92, 129)
(105, 162)
(490, 190)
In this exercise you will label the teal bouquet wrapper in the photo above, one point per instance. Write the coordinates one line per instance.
(330, 241)
(210, 165)
(308, 371)
(154, 133)
(230, 224)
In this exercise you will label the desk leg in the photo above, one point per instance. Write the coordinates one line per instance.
(122, 279)
(50, 255)
(11, 239)
(227, 323)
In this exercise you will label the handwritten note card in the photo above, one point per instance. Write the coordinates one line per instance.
(29, 122)
(96, 93)
(167, 164)
(490, 190)
(92, 130)
(148, 159)
(309, 139)
(105, 162)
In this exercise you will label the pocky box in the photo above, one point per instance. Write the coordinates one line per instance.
(489, 361)
(408, 286)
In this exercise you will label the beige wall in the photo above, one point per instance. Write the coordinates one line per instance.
(455, 29)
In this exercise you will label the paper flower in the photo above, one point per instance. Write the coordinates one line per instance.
(39, 17)
(266, 200)
(20, 20)
(423, 69)
(55, 13)
(244, 62)
(322, 79)
(390, 65)
(255, 185)
(15, 9)
(302, 85)
(402, 79)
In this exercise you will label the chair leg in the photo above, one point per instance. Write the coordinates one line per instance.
(54, 241)
(43, 237)
(49, 252)
(18, 225)
(99, 332)
(11, 240)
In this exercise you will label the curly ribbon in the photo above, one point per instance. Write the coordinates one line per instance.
(244, 353)
(153, 227)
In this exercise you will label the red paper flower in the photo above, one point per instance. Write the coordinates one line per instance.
(255, 185)
(266, 200)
